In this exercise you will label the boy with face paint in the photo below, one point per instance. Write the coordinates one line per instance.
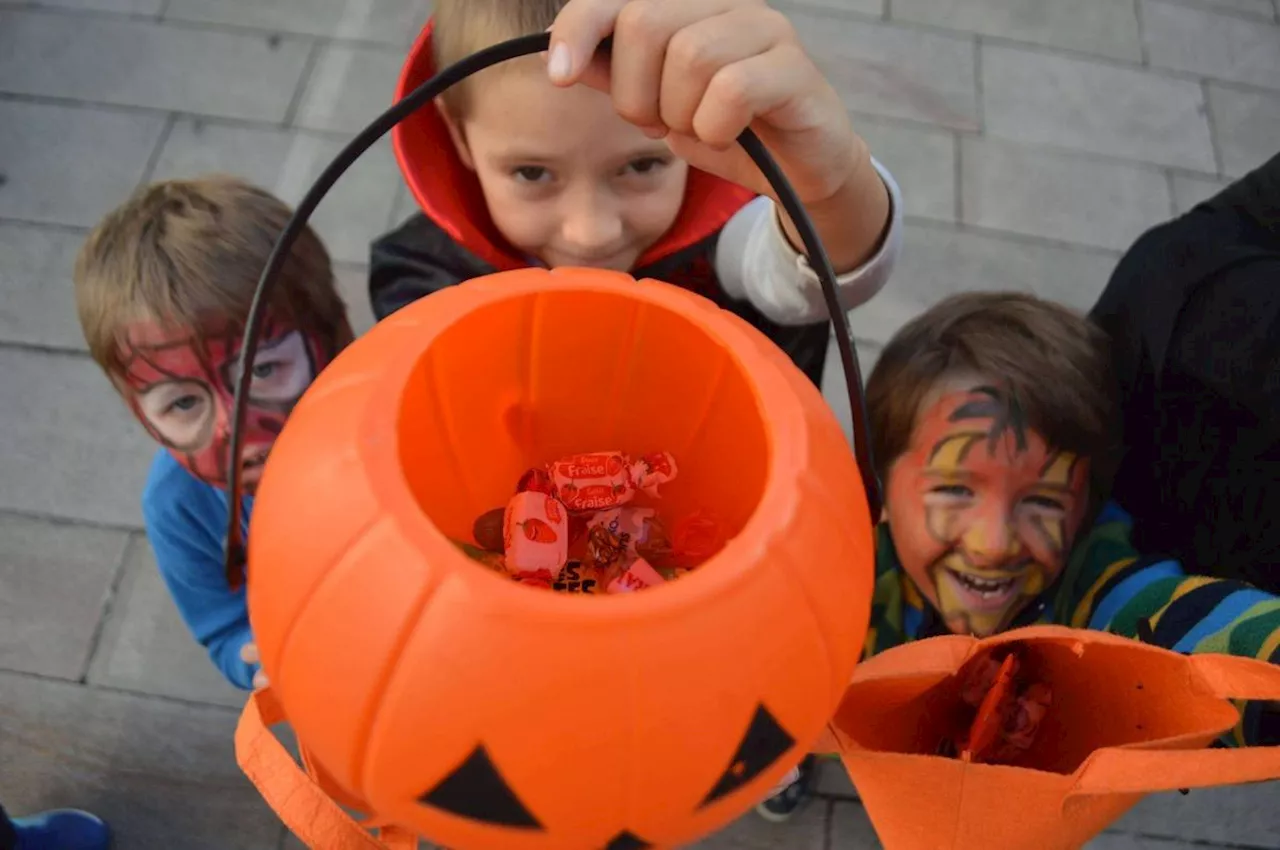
(993, 421)
(163, 285)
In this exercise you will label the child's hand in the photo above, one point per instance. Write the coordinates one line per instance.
(699, 72)
(249, 655)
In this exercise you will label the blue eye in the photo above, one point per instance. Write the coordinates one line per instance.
(183, 404)
(264, 370)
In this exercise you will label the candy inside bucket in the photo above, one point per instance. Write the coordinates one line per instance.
(586, 373)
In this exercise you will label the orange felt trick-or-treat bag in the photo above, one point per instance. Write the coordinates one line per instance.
(309, 803)
(1112, 720)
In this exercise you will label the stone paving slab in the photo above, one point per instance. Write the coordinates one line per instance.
(70, 165)
(38, 307)
(894, 71)
(1094, 202)
(126, 7)
(162, 773)
(286, 162)
(1248, 127)
(392, 22)
(939, 260)
(68, 446)
(1039, 98)
(55, 580)
(146, 647)
(1105, 27)
(1260, 8)
(1189, 190)
(921, 159)
(1211, 44)
(139, 63)
(349, 87)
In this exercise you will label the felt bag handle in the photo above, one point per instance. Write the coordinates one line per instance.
(298, 800)
(1120, 770)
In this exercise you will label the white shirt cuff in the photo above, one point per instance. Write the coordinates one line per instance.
(755, 261)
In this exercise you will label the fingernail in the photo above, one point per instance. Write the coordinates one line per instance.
(655, 132)
(560, 65)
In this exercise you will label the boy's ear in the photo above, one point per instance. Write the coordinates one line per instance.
(457, 135)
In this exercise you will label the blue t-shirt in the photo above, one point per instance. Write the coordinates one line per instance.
(186, 523)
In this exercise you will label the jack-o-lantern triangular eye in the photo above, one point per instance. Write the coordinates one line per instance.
(476, 790)
(627, 841)
(762, 745)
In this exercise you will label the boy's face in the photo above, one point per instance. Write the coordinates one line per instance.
(983, 512)
(565, 178)
(181, 387)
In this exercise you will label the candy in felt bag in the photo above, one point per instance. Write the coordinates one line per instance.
(1124, 719)
(536, 535)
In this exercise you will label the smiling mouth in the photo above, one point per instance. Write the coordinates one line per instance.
(987, 588)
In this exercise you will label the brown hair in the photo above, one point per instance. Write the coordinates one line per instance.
(461, 27)
(188, 253)
(1054, 361)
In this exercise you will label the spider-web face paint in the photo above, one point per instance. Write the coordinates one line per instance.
(983, 512)
(181, 387)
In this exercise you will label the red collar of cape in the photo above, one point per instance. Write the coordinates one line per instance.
(449, 193)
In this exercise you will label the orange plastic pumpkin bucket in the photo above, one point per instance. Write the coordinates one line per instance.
(484, 714)
(1126, 719)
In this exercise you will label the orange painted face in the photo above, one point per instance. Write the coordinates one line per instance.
(983, 511)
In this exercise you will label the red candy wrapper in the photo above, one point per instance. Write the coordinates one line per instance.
(593, 481)
(535, 534)
(638, 576)
(652, 470)
(536, 480)
(1009, 711)
(696, 538)
(597, 481)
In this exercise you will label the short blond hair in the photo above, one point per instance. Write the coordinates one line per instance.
(188, 254)
(461, 27)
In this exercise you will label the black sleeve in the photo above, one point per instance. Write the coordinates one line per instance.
(416, 259)
(1193, 313)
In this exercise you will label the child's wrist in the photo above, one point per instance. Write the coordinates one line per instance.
(853, 219)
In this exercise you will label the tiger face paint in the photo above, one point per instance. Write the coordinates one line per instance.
(983, 512)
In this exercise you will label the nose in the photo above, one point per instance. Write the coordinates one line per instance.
(222, 407)
(591, 224)
(991, 542)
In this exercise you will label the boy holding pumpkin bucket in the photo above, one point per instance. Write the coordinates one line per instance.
(637, 170)
(993, 419)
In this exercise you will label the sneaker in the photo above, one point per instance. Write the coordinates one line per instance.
(789, 800)
(62, 829)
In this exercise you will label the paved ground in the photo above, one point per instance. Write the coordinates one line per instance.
(1034, 140)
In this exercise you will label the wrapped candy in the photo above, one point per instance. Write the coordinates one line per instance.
(620, 535)
(596, 481)
(593, 481)
(535, 534)
(652, 470)
(638, 576)
(1008, 710)
(537, 480)
(487, 530)
(696, 538)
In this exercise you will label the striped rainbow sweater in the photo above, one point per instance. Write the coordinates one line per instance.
(1108, 586)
